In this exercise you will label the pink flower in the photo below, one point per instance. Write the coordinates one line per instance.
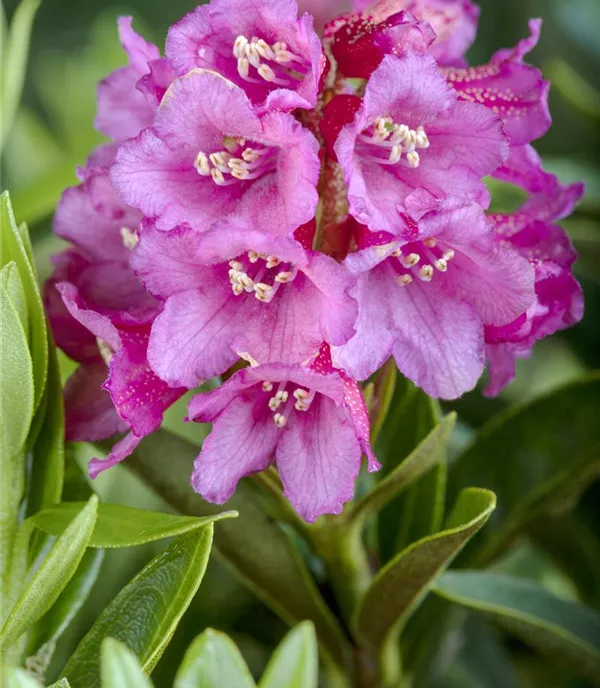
(261, 46)
(236, 291)
(425, 301)
(209, 156)
(359, 41)
(123, 110)
(310, 421)
(101, 317)
(559, 299)
(514, 91)
(411, 133)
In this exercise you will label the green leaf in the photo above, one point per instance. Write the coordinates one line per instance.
(120, 667)
(11, 281)
(63, 683)
(14, 677)
(57, 619)
(14, 63)
(16, 380)
(260, 552)
(563, 630)
(123, 526)
(422, 459)
(15, 248)
(385, 384)
(52, 576)
(48, 451)
(158, 596)
(537, 458)
(400, 587)
(213, 661)
(295, 662)
(419, 510)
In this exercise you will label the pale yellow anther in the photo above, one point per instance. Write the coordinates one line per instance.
(426, 273)
(413, 159)
(430, 242)
(284, 277)
(240, 174)
(272, 262)
(404, 280)
(410, 260)
(217, 175)
(253, 256)
(237, 289)
(280, 420)
(202, 164)
(243, 66)
(449, 254)
(395, 153)
(129, 238)
(263, 292)
(441, 265)
(267, 386)
(236, 265)
(266, 72)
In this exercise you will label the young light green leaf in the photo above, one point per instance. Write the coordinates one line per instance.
(419, 510)
(16, 249)
(384, 386)
(213, 661)
(52, 576)
(123, 526)
(295, 663)
(261, 552)
(563, 630)
(11, 281)
(120, 667)
(15, 677)
(14, 63)
(501, 459)
(57, 619)
(48, 451)
(422, 459)
(403, 583)
(16, 380)
(159, 594)
(62, 683)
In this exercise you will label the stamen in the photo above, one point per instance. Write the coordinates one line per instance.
(449, 255)
(398, 138)
(431, 242)
(267, 386)
(263, 292)
(441, 265)
(413, 159)
(426, 273)
(280, 420)
(272, 262)
(404, 280)
(236, 265)
(253, 256)
(410, 260)
(285, 276)
(201, 164)
(129, 238)
(303, 398)
(217, 176)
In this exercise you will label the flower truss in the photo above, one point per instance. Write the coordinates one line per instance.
(287, 201)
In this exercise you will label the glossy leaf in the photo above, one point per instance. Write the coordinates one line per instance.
(259, 551)
(123, 526)
(120, 667)
(213, 661)
(16, 249)
(294, 663)
(57, 619)
(563, 630)
(419, 510)
(535, 458)
(52, 577)
(421, 460)
(146, 612)
(14, 63)
(399, 588)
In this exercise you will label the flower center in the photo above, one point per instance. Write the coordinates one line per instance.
(301, 400)
(237, 163)
(421, 260)
(259, 273)
(386, 142)
(284, 68)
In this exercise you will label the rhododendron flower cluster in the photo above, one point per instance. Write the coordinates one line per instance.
(286, 202)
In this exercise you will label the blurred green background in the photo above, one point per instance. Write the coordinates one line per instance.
(74, 44)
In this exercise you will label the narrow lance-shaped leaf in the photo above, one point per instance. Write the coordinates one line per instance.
(426, 455)
(294, 663)
(563, 630)
(157, 597)
(535, 458)
(52, 576)
(213, 661)
(15, 249)
(419, 510)
(260, 552)
(120, 667)
(402, 584)
(124, 526)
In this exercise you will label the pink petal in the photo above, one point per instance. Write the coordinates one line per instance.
(119, 452)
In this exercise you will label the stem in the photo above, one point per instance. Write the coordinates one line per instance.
(391, 662)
